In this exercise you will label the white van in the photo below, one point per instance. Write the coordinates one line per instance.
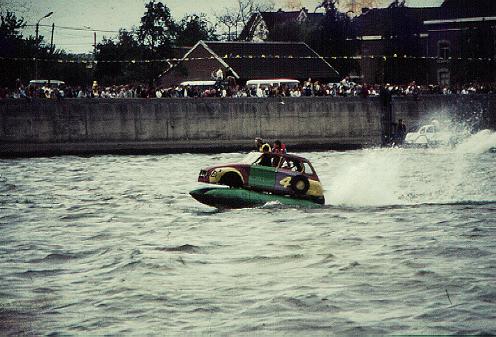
(273, 82)
(44, 83)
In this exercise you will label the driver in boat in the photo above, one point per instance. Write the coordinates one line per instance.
(261, 146)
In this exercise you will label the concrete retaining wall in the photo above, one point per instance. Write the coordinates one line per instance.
(80, 126)
(169, 125)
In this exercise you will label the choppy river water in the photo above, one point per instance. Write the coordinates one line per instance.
(114, 245)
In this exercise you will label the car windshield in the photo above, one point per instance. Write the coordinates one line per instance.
(251, 158)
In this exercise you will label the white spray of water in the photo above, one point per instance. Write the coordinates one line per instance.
(385, 177)
(372, 181)
(481, 142)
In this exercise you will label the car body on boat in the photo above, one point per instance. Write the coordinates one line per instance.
(269, 173)
(427, 136)
(432, 135)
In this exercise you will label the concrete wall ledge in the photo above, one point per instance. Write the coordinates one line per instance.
(207, 125)
(14, 150)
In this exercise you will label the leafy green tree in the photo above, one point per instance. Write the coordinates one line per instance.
(158, 30)
(156, 34)
(126, 47)
(10, 26)
(14, 47)
(194, 28)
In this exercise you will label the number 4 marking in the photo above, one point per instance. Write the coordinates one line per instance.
(286, 182)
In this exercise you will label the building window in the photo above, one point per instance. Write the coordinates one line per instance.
(444, 49)
(443, 77)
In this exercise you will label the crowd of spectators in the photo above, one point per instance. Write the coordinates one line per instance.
(344, 88)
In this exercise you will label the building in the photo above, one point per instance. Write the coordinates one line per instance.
(385, 36)
(462, 38)
(249, 60)
(263, 25)
(451, 44)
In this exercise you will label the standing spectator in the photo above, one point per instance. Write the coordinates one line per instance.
(365, 91)
(308, 88)
(401, 131)
(260, 92)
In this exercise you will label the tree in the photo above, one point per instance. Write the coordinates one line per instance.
(127, 47)
(16, 50)
(194, 28)
(245, 8)
(157, 34)
(158, 30)
(328, 5)
(230, 21)
(10, 26)
(240, 13)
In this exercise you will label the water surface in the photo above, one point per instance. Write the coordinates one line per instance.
(114, 245)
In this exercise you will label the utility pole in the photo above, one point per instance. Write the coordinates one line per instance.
(94, 44)
(51, 48)
(37, 35)
(51, 38)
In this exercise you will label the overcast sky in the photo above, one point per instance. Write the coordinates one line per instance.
(115, 14)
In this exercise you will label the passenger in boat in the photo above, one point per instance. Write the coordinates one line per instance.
(279, 148)
(261, 146)
(298, 166)
(266, 159)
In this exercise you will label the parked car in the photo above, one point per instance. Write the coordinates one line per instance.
(282, 174)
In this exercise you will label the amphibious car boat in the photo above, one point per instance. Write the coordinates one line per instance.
(261, 178)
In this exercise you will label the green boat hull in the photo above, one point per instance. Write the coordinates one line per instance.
(240, 198)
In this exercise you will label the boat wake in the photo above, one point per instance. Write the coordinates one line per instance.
(395, 176)
(481, 142)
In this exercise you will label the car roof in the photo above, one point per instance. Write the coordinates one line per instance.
(291, 156)
(198, 83)
(46, 82)
(285, 155)
(269, 81)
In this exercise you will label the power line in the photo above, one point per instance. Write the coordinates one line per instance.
(75, 44)
(228, 57)
(85, 29)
